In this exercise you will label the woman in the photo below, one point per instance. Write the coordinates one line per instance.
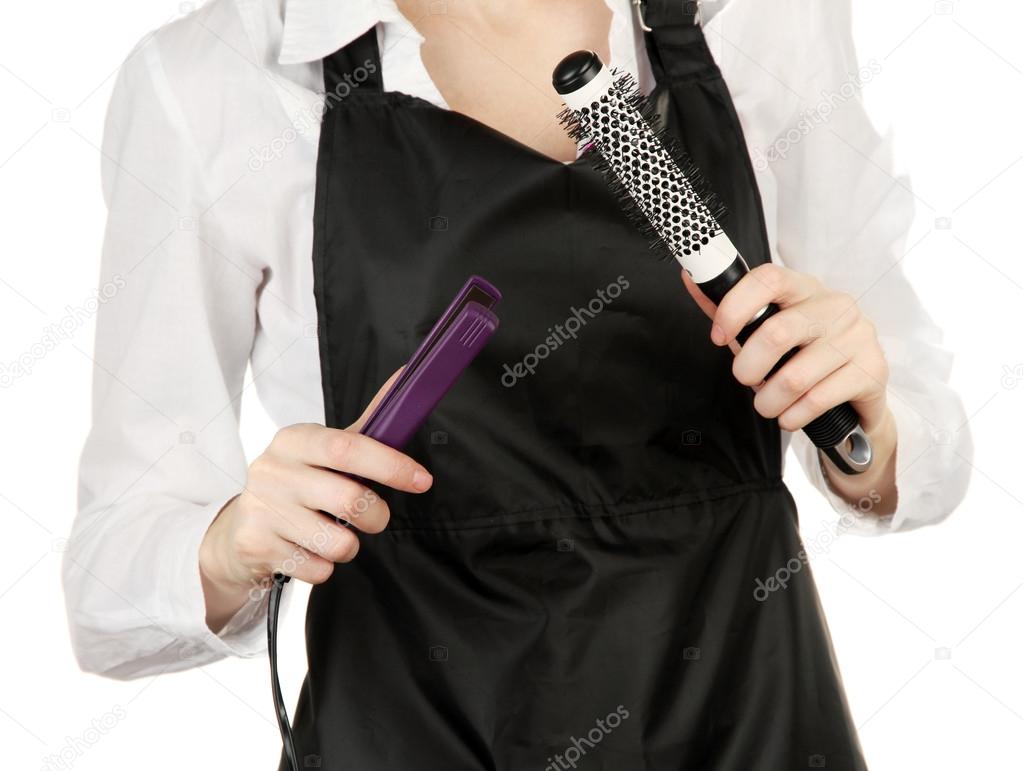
(568, 565)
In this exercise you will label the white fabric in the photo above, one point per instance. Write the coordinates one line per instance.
(208, 174)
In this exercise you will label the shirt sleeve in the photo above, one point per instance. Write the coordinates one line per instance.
(173, 337)
(843, 215)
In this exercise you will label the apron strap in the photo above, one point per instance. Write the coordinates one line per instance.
(667, 13)
(356, 65)
(674, 40)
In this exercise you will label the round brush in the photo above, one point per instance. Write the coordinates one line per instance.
(665, 194)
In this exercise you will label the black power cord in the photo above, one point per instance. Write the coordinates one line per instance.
(276, 590)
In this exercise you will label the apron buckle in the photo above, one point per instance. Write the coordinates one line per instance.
(691, 8)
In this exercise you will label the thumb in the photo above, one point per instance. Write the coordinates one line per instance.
(358, 425)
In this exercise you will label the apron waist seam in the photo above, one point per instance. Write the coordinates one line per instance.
(582, 510)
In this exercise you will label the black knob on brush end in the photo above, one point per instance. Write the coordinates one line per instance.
(575, 71)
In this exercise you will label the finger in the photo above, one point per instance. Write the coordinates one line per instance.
(353, 453)
(317, 534)
(704, 303)
(801, 373)
(299, 563)
(761, 286)
(341, 497)
(358, 425)
(847, 384)
(793, 327)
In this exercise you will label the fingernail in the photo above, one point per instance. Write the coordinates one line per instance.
(717, 334)
(421, 480)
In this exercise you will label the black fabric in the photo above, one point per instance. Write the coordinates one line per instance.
(579, 588)
(669, 14)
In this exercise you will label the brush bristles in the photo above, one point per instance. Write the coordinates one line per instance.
(658, 185)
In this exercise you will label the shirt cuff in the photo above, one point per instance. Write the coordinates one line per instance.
(917, 477)
(243, 636)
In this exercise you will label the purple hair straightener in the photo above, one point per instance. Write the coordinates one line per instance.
(450, 347)
(452, 344)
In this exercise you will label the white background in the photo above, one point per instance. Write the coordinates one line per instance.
(926, 625)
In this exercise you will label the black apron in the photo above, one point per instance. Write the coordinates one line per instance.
(579, 588)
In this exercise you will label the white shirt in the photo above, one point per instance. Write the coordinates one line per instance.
(209, 172)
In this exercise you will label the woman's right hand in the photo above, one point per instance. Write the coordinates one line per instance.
(284, 519)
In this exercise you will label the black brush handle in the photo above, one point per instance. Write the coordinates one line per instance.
(837, 433)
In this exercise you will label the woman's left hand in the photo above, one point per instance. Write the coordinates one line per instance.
(841, 359)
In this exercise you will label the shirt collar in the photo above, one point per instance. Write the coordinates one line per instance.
(314, 29)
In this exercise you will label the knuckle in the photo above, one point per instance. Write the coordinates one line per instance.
(263, 487)
(770, 274)
(763, 410)
(338, 547)
(787, 422)
(281, 436)
(741, 373)
(847, 301)
(318, 570)
(870, 327)
(776, 332)
(260, 467)
(875, 371)
(352, 504)
(729, 316)
(793, 380)
(402, 470)
(284, 435)
(883, 369)
(340, 448)
(815, 401)
(343, 500)
(347, 548)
